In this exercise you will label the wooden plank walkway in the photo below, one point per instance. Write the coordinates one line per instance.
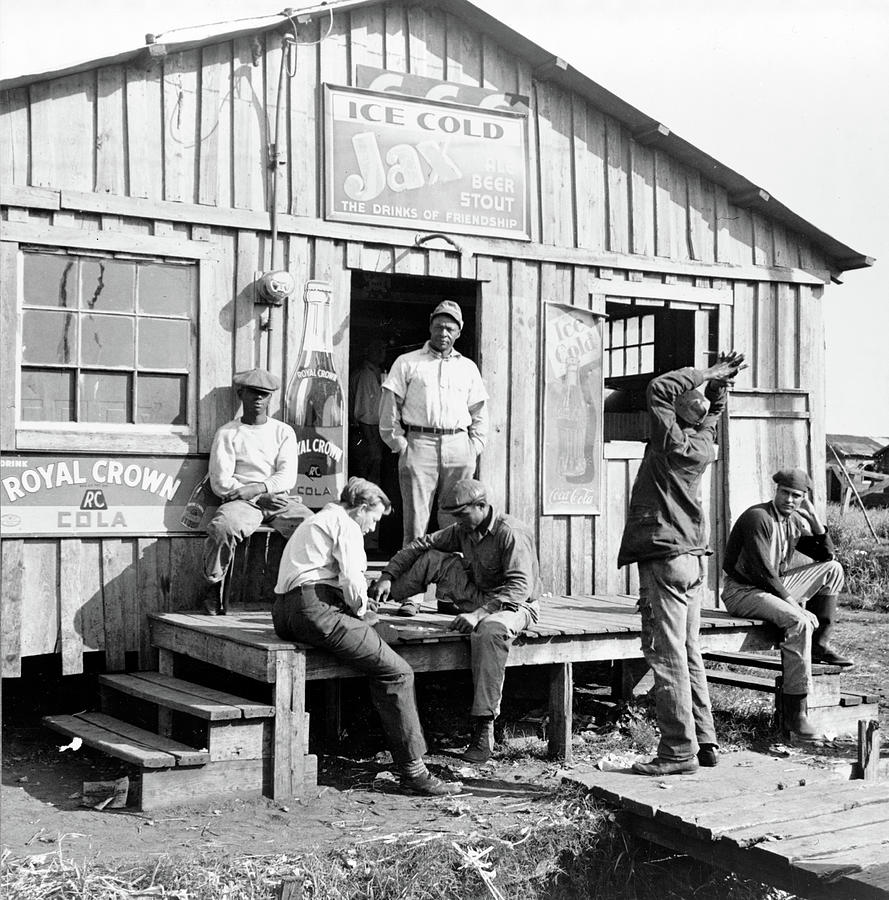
(777, 821)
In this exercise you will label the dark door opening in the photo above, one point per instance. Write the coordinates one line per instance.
(389, 315)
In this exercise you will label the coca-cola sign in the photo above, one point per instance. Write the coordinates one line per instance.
(424, 164)
(572, 411)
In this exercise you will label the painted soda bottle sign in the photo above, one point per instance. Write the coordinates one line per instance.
(314, 407)
(193, 514)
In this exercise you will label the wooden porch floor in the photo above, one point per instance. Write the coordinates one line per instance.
(777, 821)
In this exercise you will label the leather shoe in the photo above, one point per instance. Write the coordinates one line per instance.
(408, 608)
(658, 766)
(430, 785)
(707, 756)
(830, 657)
(213, 599)
(447, 607)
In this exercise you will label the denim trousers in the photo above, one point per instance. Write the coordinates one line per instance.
(236, 520)
(802, 583)
(317, 614)
(490, 639)
(670, 602)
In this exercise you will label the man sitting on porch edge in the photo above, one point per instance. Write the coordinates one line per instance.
(487, 565)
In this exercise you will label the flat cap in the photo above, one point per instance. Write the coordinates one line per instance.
(795, 479)
(448, 308)
(258, 379)
(464, 493)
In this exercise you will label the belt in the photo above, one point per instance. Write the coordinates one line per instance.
(424, 430)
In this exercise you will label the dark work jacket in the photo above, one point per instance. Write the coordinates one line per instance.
(665, 517)
(755, 555)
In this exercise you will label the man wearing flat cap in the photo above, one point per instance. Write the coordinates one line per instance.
(252, 470)
(666, 534)
(762, 582)
(486, 564)
(433, 414)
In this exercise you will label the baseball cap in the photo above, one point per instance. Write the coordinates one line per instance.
(258, 379)
(448, 308)
(795, 479)
(464, 493)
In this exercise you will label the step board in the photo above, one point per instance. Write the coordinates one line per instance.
(762, 661)
(183, 696)
(748, 682)
(127, 742)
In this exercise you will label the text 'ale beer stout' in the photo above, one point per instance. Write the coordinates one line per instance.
(313, 405)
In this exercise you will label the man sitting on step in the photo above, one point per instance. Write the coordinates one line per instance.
(487, 565)
(252, 469)
(802, 600)
(322, 600)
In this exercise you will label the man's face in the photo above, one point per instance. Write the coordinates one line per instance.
(367, 517)
(443, 331)
(788, 500)
(470, 517)
(255, 403)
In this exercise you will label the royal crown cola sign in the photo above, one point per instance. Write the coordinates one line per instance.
(313, 405)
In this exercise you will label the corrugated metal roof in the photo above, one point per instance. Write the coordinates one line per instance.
(742, 192)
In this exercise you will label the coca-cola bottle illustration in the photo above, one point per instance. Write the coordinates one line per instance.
(313, 405)
(571, 418)
(196, 504)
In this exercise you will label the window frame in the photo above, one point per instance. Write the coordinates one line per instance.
(17, 434)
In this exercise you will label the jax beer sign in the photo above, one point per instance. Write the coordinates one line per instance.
(98, 495)
(432, 166)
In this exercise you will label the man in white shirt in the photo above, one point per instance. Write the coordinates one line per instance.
(322, 600)
(433, 414)
(252, 469)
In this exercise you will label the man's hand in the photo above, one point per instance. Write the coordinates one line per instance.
(812, 618)
(807, 511)
(726, 367)
(246, 491)
(272, 502)
(379, 590)
(466, 622)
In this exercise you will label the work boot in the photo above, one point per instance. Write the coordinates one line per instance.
(795, 720)
(214, 598)
(447, 607)
(429, 785)
(658, 766)
(824, 606)
(481, 745)
(707, 756)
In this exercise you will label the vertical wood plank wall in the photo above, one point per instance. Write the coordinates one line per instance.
(194, 128)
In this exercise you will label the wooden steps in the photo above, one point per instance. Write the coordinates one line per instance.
(206, 742)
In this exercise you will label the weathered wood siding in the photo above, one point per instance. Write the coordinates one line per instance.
(178, 147)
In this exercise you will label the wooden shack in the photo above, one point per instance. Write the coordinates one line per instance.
(590, 249)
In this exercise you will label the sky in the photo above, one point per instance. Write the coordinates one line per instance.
(793, 94)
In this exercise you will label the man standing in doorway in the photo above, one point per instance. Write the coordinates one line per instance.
(802, 600)
(487, 565)
(666, 534)
(433, 414)
(252, 470)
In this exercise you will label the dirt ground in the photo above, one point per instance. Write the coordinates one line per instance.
(357, 799)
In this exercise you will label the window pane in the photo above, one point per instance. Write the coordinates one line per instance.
(47, 396)
(162, 399)
(48, 337)
(647, 329)
(648, 358)
(106, 341)
(108, 284)
(632, 331)
(632, 361)
(168, 290)
(617, 362)
(617, 333)
(163, 343)
(105, 397)
(49, 280)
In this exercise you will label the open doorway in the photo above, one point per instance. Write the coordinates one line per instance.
(389, 315)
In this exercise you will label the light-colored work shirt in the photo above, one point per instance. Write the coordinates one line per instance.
(430, 390)
(244, 454)
(328, 548)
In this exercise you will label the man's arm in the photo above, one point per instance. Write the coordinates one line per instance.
(666, 432)
(754, 530)
(283, 478)
(391, 429)
(519, 562)
(445, 540)
(222, 465)
(349, 555)
(478, 428)
(817, 544)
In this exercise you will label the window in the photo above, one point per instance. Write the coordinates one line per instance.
(629, 346)
(107, 339)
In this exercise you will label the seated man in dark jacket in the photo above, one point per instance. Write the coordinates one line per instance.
(761, 583)
(487, 565)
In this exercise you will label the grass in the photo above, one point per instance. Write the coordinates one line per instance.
(865, 561)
